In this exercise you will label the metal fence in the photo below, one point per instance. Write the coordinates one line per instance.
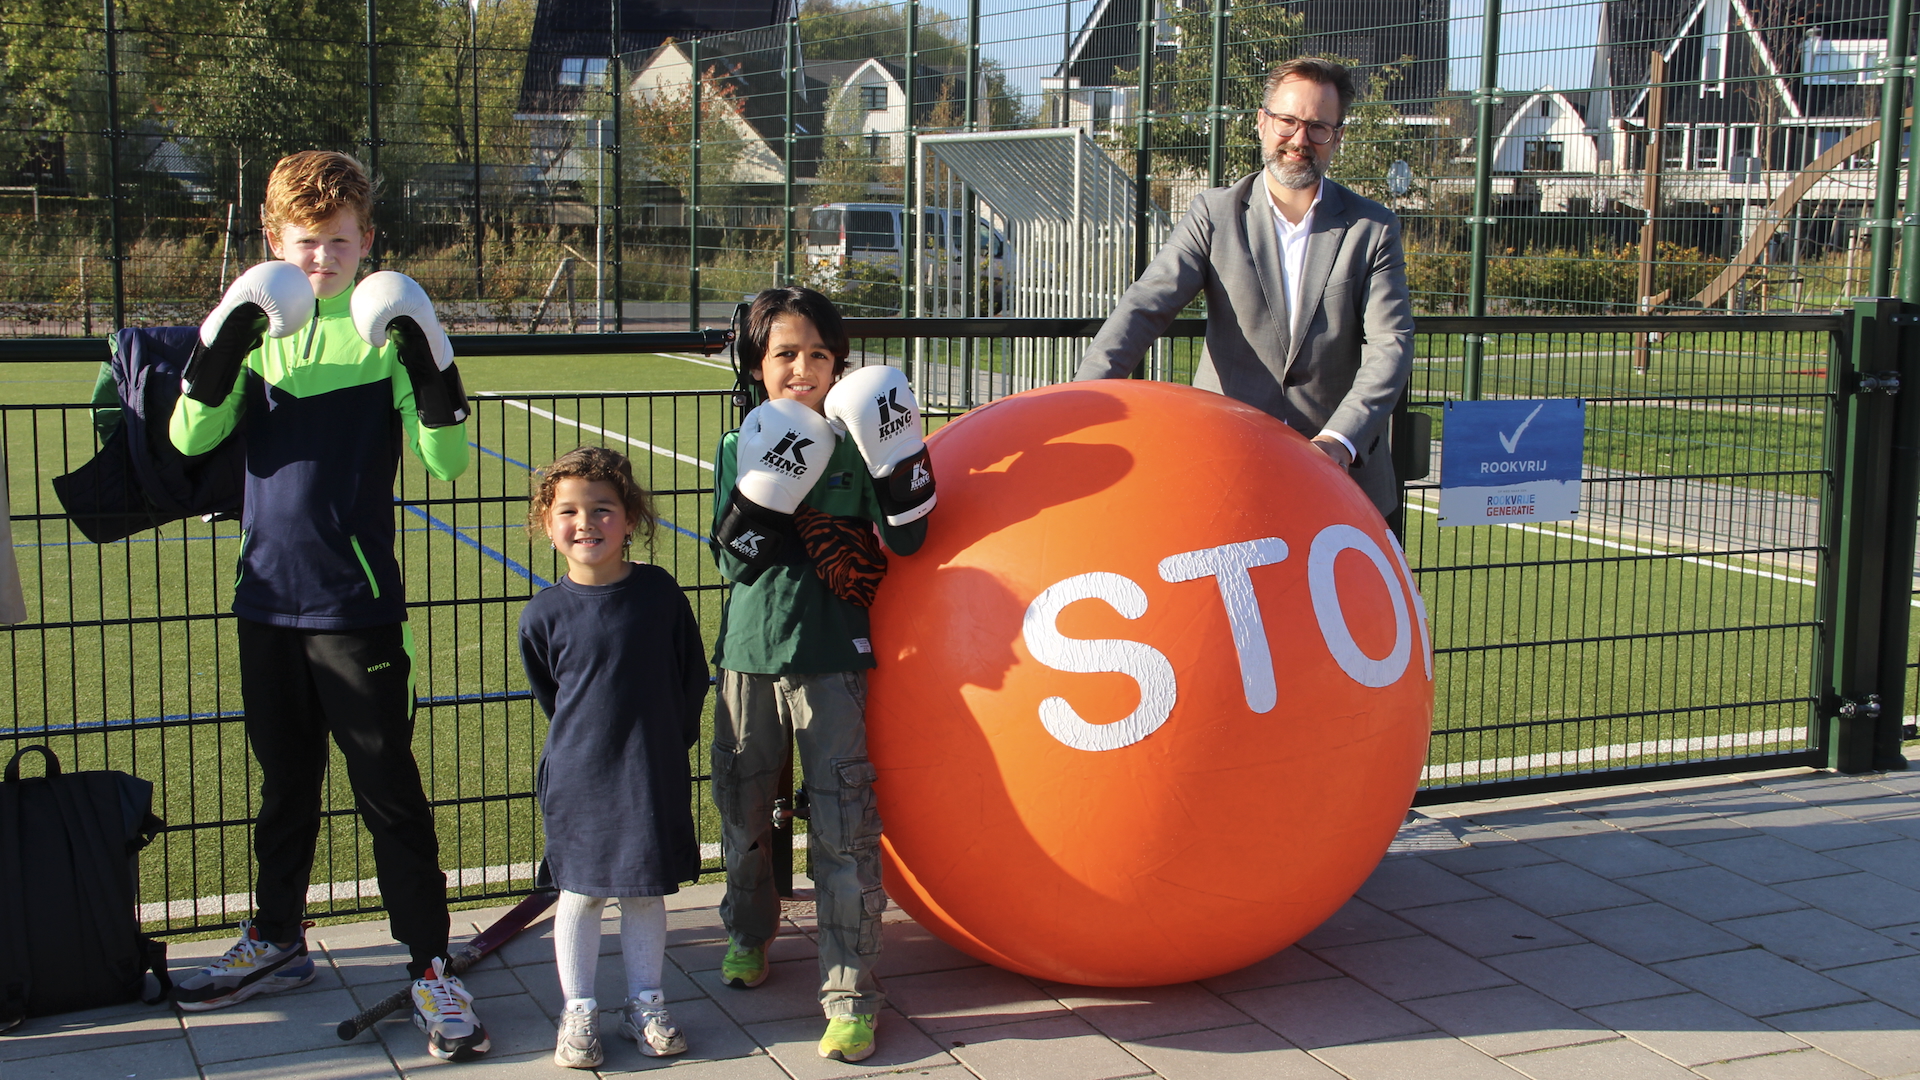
(624, 166)
(1719, 605)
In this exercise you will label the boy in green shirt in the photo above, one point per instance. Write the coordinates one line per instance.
(795, 511)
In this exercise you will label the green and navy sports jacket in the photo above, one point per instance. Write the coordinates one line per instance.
(323, 415)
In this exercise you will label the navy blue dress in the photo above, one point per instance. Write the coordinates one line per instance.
(621, 673)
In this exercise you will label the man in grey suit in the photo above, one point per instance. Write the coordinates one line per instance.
(1306, 286)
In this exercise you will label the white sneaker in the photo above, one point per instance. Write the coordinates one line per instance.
(647, 1022)
(252, 966)
(443, 1009)
(578, 1046)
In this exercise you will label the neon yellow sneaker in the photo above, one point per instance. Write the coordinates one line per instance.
(848, 1038)
(743, 968)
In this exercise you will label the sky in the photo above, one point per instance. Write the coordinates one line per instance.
(1541, 42)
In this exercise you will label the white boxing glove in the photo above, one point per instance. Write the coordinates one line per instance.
(875, 405)
(272, 299)
(781, 451)
(390, 302)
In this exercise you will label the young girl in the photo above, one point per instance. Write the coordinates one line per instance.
(614, 657)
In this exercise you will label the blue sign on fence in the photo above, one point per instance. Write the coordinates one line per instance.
(1508, 461)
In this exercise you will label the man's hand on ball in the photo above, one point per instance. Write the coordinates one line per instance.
(1334, 449)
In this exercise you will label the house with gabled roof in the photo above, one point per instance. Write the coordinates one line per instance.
(867, 101)
(750, 71)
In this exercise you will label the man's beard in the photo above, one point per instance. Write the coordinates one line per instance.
(1295, 173)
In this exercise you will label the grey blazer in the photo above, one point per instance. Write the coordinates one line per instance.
(1355, 352)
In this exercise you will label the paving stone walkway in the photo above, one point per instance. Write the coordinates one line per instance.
(1740, 928)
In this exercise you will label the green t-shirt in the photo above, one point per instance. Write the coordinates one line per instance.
(788, 622)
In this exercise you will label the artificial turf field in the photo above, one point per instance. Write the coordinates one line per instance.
(129, 664)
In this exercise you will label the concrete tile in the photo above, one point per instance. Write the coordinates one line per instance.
(1355, 922)
(1289, 965)
(342, 1061)
(1406, 883)
(169, 1060)
(1149, 1011)
(715, 1046)
(1905, 935)
(518, 1067)
(1508, 1020)
(1815, 829)
(907, 948)
(1616, 1060)
(757, 1067)
(1881, 806)
(1544, 824)
(1616, 854)
(1896, 982)
(1710, 893)
(1768, 859)
(1412, 967)
(972, 997)
(1754, 800)
(383, 962)
(1488, 851)
(1332, 1012)
(1695, 831)
(1651, 933)
(542, 982)
(1869, 1035)
(1055, 1048)
(1757, 982)
(91, 1029)
(1898, 860)
(1489, 927)
(1693, 1029)
(1822, 788)
(1418, 1058)
(1795, 1065)
(299, 1022)
(1867, 900)
(1634, 814)
(1247, 1052)
(898, 1047)
(516, 1026)
(1555, 888)
(792, 990)
(1816, 939)
(1579, 976)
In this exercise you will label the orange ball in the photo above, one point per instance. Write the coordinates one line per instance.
(1153, 698)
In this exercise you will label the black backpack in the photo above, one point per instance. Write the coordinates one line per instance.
(69, 849)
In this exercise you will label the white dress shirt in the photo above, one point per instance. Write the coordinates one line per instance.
(1293, 266)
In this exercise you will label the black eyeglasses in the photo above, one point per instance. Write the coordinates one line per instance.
(1319, 133)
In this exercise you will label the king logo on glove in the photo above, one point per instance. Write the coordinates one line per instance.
(747, 544)
(785, 454)
(893, 415)
(922, 476)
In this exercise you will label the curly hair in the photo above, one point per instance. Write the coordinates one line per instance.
(592, 463)
(310, 187)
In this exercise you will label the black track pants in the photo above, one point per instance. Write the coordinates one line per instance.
(299, 687)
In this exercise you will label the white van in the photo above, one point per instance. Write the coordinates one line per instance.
(847, 235)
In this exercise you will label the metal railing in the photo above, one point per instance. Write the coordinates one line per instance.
(1713, 609)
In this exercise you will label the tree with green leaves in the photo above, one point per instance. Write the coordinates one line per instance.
(876, 29)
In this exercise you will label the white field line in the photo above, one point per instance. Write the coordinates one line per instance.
(701, 360)
(1595, 755)
(241, 904)
(605, 433)
(1616, 545)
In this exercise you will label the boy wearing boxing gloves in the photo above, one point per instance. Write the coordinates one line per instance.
(796, 507)
(326, 381)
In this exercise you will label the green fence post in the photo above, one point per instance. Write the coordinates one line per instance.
(1472, 364)
(1217, 98)
(1143, 143)
(792, 53)
(1886, 197)
(1901, 356)
(909, 214)
(113, 136)
(693, 197)
(616, 102)
(1857, 683)
(373, 119)
(479, 220)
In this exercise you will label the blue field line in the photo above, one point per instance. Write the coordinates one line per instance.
(529, 468)
(491, 553)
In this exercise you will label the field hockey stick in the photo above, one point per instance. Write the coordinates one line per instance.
(501, 932)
